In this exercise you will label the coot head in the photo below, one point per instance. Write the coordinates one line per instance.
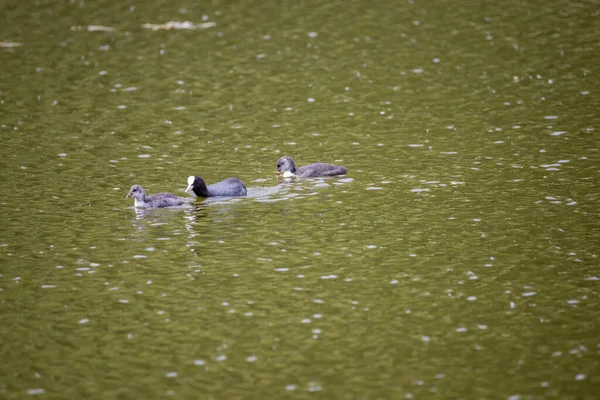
(286, 164)
(137, 192)
(197, 186)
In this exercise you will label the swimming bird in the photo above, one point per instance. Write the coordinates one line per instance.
(287, 167)
(227, 187)
(154, 200)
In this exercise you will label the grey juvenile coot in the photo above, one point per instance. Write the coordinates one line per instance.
(154, 200)
(287, 167)
(227, 187)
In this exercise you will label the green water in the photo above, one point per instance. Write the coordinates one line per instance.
(457, 259)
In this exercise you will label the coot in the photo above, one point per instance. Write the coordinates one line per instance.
(227, 187)
(154, 200)
(287, 167)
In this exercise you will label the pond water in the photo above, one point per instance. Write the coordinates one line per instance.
(457, 259)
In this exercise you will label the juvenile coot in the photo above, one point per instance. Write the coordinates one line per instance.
(154, 200)
(227, 187)
(286, 166)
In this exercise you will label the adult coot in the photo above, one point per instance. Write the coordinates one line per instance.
(227, 187)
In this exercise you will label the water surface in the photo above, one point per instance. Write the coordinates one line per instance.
(457, 259)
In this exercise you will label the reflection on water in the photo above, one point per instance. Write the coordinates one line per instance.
(458, 258)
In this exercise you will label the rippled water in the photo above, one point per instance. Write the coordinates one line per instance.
(457, 259)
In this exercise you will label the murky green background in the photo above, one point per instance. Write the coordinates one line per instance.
(458, 258)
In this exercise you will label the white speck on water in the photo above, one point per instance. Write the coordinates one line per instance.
(124, 301)
(281, 269)
(551, 117)
(394, 281)
(149, 283)
(82, 269)
(311, 100)
(461, 329)
(528, 294)
(36, 391)
(371, 246)
(261, 55)
(221, 358)
(199, 362)
(415, 145)
(558, 133)
(579, 377)
(225, 303)
(514, 397)
(426, 339)
(171, 374)
(94, 265)
(544, 384)
(585, 92)
(499, 142)
(417, 70)
(313, 387)
(472, 298)
(313, 34)
(512, 304)
(62, 155)
(449, 152)
(113, 288)
(102, 73)
(179, 108)
(122, 106)
(573, 301)
(48, 286)
(305, 321)
(374, 188)
(317, 316)
(418, 190)
(251, 358)
(84, 321)
(290, 387)
(482, 327)
(144, 156)
(436, 60)
(329, 277)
